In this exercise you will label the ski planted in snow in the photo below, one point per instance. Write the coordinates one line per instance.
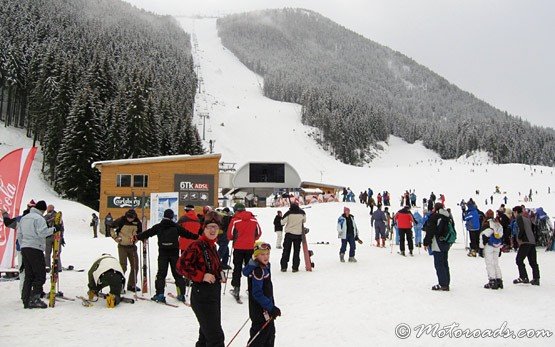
(55, 260)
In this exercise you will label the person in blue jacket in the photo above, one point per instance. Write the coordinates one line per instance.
(472, 223)
(418, 228)
(262, 308)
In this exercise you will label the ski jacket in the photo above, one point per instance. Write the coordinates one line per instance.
(100, 266)
(168, 232)
(261, 292)
(293, 221)
(492, 234)
(525, 232)
(472, 218)
(435, 223)
(378, 218)
(189, 221)
(127, 230)
(418, 221)
(342, 226)
(277, 223)
(193, 263)
(32, 230)
(404, 219)
(243, 230)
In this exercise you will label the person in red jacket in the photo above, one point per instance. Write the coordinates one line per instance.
(243, 230)
(405, 222)
(200, 263)
(189, 221)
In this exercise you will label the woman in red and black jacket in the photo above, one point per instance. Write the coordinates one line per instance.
(200, 263)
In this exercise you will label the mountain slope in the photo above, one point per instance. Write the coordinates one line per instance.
(357, 92)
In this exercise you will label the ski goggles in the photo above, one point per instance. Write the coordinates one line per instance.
(262, 247)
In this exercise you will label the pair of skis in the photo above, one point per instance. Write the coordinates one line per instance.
(55, 260)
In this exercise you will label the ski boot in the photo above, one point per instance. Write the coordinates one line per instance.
(92, 294)
(352, 260)
(295, 270)
(402, 253)
(342, 257)
(235, 292)
(181, 297)
(158, 298)
(410, 252)
(492, 284)
(521, 280)
(437, 287)
(535, 282)
(110, 301)
(36, 302)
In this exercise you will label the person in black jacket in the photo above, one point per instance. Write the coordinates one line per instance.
(168, 253)
(438, 248)
(526, 248)
(278, 228)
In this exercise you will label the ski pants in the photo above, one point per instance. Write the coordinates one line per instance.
(223, 249)
(206, 304)
(396, 235)
(48, 252)
(295, 241)
(21, 272)
(527, 250)
(35, 273)
(168, 257)
(350, 239)
(125, 253)
(474, 239)
(441, 264)
(279, 240)
(418, 235)
(108, 230)
(267, 336)
(95, 230)
(379, 231)
(405, 233)
(491, 256)
(240, 257)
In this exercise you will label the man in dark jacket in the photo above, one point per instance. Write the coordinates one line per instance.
(126, 230)
(378, 221)
(505, 222)
(168, 253)
(526, 249)
(439, 248)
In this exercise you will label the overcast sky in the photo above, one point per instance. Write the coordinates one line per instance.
(502, 51)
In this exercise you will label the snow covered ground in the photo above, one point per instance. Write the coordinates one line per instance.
(339, 304)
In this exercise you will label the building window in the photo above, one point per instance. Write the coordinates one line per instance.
(140, 181)
(123, 181)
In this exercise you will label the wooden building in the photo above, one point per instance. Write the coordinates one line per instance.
(123, 182)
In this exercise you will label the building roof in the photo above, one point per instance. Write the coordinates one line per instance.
(319, 184)
(181, 157)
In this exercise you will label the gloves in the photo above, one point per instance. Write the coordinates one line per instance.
(481, 252)
(275, 312)
(58, 227)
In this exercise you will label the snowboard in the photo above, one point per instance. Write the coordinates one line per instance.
(309, 265)
(55, 260)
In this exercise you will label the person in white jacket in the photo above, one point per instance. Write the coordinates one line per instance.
(348, 233)
(490, 247)
(293, 221)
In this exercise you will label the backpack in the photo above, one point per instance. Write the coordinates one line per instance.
(496, 237)
(446, 231)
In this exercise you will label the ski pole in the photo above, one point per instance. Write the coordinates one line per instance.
(238, 331)
(259, 331)
(227, 271)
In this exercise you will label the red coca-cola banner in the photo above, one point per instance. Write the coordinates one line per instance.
(14, 169)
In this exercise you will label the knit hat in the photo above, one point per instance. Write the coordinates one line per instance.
(41, 205)
(168, 213)
(239, 207)
(438, 206)
(260, 247)
(212, 217)
(489, 214)
(31, 203)
(346, 209)
(130, 213)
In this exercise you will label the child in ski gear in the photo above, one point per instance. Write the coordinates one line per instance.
(261, 296)
(472, 223)
(347, 231)
(526, 248)
(278, 228)
(418, 222)
(439, 247)
(378, 221)
(94, 225)
(108, 222)
(293, 221)
(126, 229)
(200, 263)
(405, 222)
(31, 235)
(167, 232)
(492, 240)
(106, 271)
(243, 230)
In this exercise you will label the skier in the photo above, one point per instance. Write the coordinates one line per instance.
(243, 230)
(106, 271)
(472, 222)
(413, 199)
(278, 228)
(491, 199)
(505, 199)
(379, 198)
(417, 228)
(505, 222)
(432, 198)
(378, 221)
(190, 222)
(167, 232)
(438, 246)
(32, 232)
(405, 222)
(200, 263)
(94, 225)
(371, 204)
(126, 229)
(490, 247)
(526, 249)
(108, 222)
(348, 233)
(293, 222)
(223, 242)
(262, 308)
